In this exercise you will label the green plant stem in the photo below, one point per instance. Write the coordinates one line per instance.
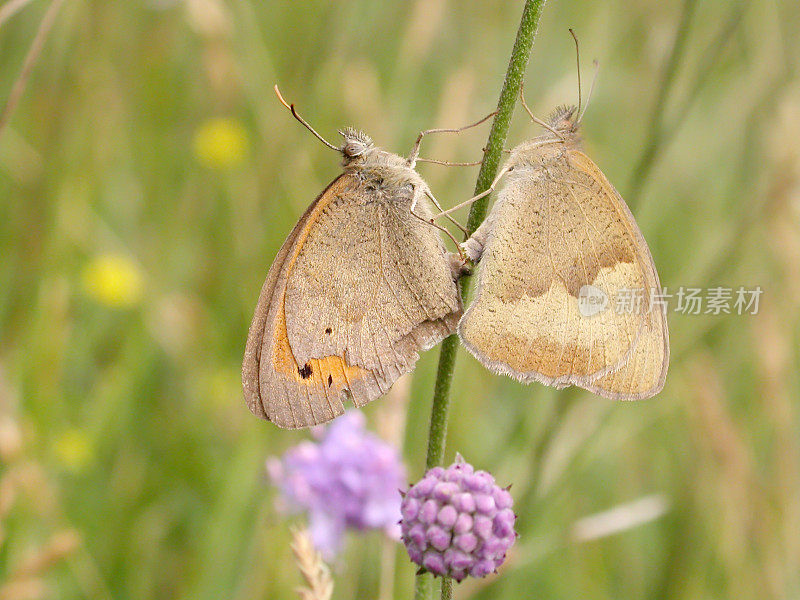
(512, 84)
(447, 589)
(437, 433)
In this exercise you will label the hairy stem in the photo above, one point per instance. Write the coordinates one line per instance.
(447, 589)
(491, 160)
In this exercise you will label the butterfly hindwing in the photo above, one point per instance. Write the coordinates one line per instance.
(557, 233)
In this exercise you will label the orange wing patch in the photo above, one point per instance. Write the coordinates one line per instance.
(327, 371)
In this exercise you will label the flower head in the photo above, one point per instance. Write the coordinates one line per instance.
(221, 143)
(113, 280)
(349, 479)
(458, 522)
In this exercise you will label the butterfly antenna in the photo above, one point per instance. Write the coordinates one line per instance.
(578, 60)
(591, 90)
(302, 120)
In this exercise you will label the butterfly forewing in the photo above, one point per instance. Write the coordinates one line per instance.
(361, 289)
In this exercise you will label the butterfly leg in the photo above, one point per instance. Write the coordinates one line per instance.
(414, 155)
(474, 246)
(430, 222)
(483, 194)
(458, 265)
(449, 218)
(448, 163)
(506, 150)
(533, 117)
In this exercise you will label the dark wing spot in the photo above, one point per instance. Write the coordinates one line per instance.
(328, 330)
(306, 371)
(330, 380)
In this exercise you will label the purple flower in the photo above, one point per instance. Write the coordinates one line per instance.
(458, 522)
(349, 479)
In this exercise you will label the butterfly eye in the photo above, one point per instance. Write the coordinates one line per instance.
(353, 149)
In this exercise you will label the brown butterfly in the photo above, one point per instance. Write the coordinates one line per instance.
(362, 284)
(558, 250)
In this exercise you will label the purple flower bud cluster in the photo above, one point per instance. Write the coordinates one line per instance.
(458, 522)
(349, 479)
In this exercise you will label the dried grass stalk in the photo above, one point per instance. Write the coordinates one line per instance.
(315, 572)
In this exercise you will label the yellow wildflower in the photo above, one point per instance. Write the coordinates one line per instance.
(73, 449)
(113, 280)
(221, 143)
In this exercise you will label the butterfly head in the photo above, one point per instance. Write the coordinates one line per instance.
(564, 119)
(356, 144)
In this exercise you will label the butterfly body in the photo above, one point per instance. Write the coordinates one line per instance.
(358, 289)
(558, 229)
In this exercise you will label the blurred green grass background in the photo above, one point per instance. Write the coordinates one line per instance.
(149, 176)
